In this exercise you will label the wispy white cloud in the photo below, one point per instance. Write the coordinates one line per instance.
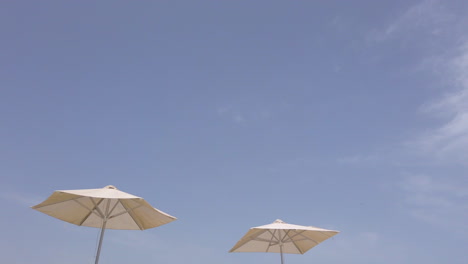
(435, 29)
(446, 60)
(428, 17)
(438, 201)
(423, 184)
(449, 140)
(234, 115)
(242, 116)
(238, 118)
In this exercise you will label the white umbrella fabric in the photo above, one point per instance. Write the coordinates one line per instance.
(105, 208)
(280, 237)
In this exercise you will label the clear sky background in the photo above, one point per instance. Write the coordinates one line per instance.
(346, 115)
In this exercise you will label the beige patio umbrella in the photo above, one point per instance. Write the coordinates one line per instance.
(106, 208)
(280, 237)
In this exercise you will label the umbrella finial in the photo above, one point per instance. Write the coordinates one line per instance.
(279, 221)
(110, 187)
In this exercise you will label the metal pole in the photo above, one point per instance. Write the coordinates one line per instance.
(281, 250)
(104, 221)
(280, 242)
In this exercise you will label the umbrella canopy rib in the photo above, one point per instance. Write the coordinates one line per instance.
(132, 215)
(107, 210)
(285, 237)
(271, 241)
(273, 236)
(58, 202)
(310, 239)
(264, 240)
(108, 216)
(256, 235)
(328, 235)
(125, 211)
(246, 240)
(91, 211)
(290, 238)
(96, 206)
(304, 237)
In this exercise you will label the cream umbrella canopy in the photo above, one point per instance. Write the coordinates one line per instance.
(105, 208)
(280, 237)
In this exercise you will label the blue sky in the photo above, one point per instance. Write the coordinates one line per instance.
(347, 115)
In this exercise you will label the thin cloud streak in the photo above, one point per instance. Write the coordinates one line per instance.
(241, 116)
(450, 140)
(438, 199)
(427, 17)
(441, 202)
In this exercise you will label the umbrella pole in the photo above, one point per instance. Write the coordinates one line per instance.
(281, 251)
(100, 241)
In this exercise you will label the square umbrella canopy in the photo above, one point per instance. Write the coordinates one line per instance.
(280, 237)
(106, 208)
